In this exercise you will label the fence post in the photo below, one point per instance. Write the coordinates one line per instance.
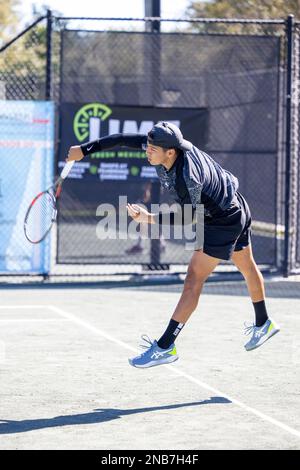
(49, 55)
(289, 33)
(152, 9)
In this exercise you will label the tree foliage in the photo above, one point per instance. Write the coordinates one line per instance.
(8, 19)
(244, 9)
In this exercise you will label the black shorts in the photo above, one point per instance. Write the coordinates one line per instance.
(230, 232)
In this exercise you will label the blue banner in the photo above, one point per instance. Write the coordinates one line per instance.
(26, 168)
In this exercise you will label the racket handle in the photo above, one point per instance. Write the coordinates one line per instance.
(58, 191)
(67, 169)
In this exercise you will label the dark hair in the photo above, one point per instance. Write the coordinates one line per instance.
(177, 150)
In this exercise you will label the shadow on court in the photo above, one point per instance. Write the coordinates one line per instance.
(101, 415)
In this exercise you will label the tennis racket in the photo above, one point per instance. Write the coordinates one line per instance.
(42, 212)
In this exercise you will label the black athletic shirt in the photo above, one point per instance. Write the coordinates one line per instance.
(195, 178)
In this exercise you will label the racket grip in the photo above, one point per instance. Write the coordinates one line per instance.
(67, 169)
(58, 191)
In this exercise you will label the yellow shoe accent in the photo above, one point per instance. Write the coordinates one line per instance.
(271, 327)
(173, 352)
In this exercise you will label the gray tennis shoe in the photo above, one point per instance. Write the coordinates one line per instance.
(260, 334)
(153, 355)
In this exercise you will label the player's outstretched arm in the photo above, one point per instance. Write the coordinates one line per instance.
(77, 152)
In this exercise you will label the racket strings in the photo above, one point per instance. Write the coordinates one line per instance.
(41, 215)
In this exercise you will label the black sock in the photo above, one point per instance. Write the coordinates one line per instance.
(261, 315)
(170, 334)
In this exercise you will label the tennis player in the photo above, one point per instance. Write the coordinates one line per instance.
(193, 177)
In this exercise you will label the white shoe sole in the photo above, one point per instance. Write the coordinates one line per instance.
(154, 363)
(272, 333)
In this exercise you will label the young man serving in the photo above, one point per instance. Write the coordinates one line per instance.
(192, 178)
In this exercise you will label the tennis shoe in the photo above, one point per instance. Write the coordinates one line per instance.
(260, 334)
(154, 355)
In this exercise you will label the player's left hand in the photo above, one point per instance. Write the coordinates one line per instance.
(138, 213)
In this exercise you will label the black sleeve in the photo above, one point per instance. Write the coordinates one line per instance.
(114, 140)
(173, 218)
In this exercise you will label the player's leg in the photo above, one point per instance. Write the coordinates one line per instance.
(246, 264)
(264, 327)
(164, 351)
(200, 267)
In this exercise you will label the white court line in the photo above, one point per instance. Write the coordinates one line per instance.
(177, 371)
(53, 320)
(24, 319)
(4, 307)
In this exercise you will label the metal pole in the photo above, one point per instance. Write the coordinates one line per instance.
(289, 33)
(156, 13)
(9, 43)
(49, 55)
(152, 9)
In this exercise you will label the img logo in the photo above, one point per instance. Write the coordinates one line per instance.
(91, 122)
(87, 121)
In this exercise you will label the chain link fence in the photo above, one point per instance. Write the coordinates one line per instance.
(23, 65)
(26, 155)
(227, 77)
(296, 151)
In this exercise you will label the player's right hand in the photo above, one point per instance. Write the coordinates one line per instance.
(75, 153)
